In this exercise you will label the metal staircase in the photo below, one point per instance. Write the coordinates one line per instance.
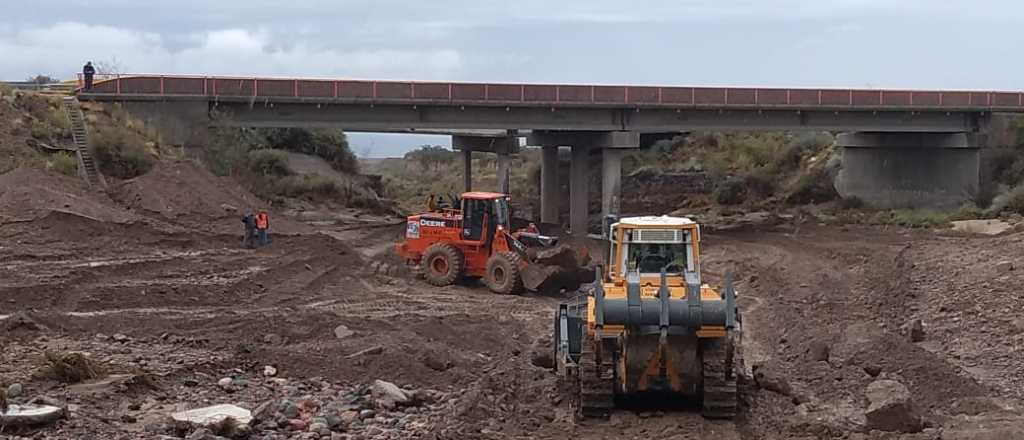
(86, 165)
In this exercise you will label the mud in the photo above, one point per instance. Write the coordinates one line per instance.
(195, 307)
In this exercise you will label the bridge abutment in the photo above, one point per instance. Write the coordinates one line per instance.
(177, 122)
(909, 170)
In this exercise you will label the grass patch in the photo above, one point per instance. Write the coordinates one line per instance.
(910, 218)
(64, 163)
(71, 367)
(1009, 201)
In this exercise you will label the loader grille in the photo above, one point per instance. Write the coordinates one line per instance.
(659, 236)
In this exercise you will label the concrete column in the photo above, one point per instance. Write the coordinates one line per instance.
(504, 163)
(549, 185)
(611, 181)
(467, 168)
(909, 170)
(579, 191)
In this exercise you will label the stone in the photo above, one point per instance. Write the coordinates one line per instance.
(819, 351)
(202, 417)
(225, 383)
(273, 339)
(30, 415)
(14, 390)
(437, 361)
(1004, 267)
(334, 421)
(342, 332)
(388, 395)
(542, 353)
(891, 408)
(297, 425)
(367, 414)
(120, 337)
(771, 380)
(347, 417)
(288, 409)
(915, 330)
(873, 370)
(320, 428)
(269, 371)
(200, 434)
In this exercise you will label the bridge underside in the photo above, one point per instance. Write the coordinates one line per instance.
(363, 117)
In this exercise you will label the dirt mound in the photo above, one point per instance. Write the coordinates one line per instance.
(28, 194)
(177, 189)
(192, 197)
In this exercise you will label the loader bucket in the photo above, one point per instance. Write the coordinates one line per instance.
(555, 269)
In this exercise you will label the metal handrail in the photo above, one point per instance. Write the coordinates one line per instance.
(566, 94)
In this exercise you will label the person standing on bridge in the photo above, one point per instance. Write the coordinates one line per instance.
(262, 227)
(87, 73)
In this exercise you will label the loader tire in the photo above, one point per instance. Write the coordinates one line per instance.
(503, 273)
(442, 264)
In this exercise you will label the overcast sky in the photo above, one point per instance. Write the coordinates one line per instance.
(862, 43)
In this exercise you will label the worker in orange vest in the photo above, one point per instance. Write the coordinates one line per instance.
(262, 225)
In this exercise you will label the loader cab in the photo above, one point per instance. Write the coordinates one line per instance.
(482, 213)
(646, 245)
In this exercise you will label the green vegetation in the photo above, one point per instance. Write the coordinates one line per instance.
(118, 154)
(329, 144)
(64, 163)
(437, 170)
(750, 168)
(269, 163)
(910, 218)
(254, 158)
(1009, 201)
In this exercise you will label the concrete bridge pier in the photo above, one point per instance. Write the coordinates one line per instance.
(583, 143)
(910, 170)
(549, 185)
(505, 146)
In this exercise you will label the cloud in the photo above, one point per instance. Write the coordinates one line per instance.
(61, 49)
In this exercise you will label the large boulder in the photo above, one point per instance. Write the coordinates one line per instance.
(891, 408)
(388, 395)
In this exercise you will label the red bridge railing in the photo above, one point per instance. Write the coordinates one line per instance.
(570, 95)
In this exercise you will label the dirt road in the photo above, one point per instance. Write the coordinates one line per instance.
(194, 308)
(331, 311)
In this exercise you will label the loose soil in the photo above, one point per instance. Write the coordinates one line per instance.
(152, 280)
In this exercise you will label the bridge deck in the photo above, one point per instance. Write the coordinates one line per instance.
(161, 87)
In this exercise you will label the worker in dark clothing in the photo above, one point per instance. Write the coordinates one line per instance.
(249, 240)
(262, 227)
(87, 73)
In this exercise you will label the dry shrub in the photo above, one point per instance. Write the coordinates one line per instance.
(71, 367)
(226, 427)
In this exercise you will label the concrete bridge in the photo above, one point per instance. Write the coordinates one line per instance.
(901, 148)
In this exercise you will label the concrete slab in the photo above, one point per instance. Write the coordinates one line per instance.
(29, 415)
(213, 414)
(983, 227)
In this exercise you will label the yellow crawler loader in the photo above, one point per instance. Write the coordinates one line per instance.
(650, 329)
